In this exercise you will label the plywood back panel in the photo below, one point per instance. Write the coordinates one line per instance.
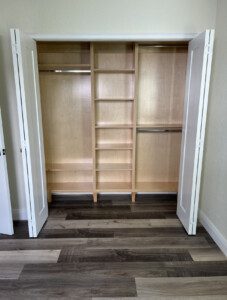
(114, 156)
(113, 136)
(114, 85)
(63, 53)
(114, 176)
(69, 176)
(114, 56)
(161, 85)
(158, 156)
(113, 112)
(66, 113)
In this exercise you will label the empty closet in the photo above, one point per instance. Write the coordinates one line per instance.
(112, 117)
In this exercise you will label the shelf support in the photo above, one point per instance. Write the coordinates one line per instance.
(92, 62)
(134, 117)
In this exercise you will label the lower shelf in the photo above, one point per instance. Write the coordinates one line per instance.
(157, 187)
(70, 187)
(80, 187)
(114, 187)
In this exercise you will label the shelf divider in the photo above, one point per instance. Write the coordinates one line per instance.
(136, 62)
(92, 61)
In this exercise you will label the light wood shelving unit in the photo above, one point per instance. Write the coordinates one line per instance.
(112, 116)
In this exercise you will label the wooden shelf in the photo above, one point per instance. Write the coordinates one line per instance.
(116, 71)
(61, 167)
(114, 99)
(170, 187)
(114, 146)
(114, 167)
(114, 126)
(114, 186)
(70, 187)
(53, 67)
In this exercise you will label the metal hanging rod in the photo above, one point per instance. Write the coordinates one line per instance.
(67, 71)
(158, 130)
(164, 46)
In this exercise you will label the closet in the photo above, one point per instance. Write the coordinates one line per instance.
(112, 115)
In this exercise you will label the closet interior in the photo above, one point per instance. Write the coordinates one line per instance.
(112, 115)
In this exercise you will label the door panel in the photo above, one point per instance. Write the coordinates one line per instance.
(6, 219)
(196, 100)
(29, 110)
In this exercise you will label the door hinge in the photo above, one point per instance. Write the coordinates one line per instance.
(3, 151)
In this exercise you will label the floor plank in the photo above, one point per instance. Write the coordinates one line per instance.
(182, 286)
(114, 223)
(124, 269)
(40, 244)
(29, 256)
(207, 254)
(186, 242)
(73, 254)
(10, 270)
(69, 287)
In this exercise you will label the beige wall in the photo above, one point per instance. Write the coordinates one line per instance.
(90, 17)
(214, 181)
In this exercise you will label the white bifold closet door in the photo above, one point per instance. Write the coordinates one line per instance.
(6, 219)
(30, 123)
(195, 110)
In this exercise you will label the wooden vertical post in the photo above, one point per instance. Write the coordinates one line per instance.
(136, 47)
(93, 120)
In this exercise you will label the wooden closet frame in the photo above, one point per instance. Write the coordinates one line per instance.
(152, 38)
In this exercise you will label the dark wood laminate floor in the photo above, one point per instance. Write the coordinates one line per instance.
(112, 250)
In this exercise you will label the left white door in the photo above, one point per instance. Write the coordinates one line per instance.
(6, 219)
(29, 112)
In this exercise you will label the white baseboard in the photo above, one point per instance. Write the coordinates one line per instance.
(216, 235)
(19, 214)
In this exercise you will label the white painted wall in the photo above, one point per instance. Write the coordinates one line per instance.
(80, 17)
(213, 203)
